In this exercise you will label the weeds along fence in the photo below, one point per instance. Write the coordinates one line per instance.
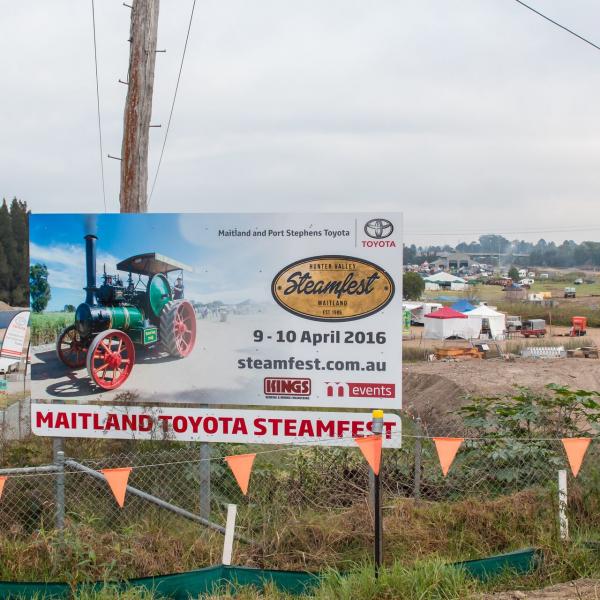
(307, 507)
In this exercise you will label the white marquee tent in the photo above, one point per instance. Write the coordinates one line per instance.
(444, 280)
(496, 320)
(446, 323)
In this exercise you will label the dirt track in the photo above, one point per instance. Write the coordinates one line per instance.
(434, 390)
(582, 589)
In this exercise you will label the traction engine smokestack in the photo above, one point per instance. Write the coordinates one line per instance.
(90, 267)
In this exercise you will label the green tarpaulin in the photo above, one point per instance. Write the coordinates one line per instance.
(521, 561)
(204, 581)
(180, 586)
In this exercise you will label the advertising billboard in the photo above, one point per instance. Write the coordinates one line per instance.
(285, 310)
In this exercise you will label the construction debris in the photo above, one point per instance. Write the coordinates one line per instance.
(544, 352)
(583, 352)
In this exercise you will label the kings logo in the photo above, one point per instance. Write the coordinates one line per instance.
(332, 288)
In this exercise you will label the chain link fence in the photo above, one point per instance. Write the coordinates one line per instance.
(302, 501)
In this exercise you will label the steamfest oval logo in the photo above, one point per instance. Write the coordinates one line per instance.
(332, 288)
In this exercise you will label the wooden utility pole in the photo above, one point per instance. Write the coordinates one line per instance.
(133, 196)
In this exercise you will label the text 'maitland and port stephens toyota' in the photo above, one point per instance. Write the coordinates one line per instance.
(288, 311)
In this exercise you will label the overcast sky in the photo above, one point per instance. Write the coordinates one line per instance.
(471, 116)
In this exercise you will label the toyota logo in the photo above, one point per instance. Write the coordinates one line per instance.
(379, 229)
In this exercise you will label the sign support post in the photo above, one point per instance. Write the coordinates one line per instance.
(378, 430)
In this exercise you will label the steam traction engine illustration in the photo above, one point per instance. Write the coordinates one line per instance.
(115, 318)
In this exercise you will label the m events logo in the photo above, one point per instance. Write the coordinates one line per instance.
(287, 386)
(360, 390)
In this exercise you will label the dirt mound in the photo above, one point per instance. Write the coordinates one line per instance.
(582, 589)
(434, 390)
(433, 398)
(4, 306)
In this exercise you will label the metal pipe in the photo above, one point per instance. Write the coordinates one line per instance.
(29, 470)
(90, 268)
(158, 501)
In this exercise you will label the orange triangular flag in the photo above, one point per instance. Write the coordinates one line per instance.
(576, 449)
(117, 480)
(241, 467)
(2, 482)
(370, 446)
(447, 449)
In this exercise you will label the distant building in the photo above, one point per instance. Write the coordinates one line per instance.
(453, 261)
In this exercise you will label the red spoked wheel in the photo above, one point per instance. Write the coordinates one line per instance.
(178, 328)
(70, 348)
(110, 359)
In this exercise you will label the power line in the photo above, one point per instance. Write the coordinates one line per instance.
(98, 106)
(496, 232)
(537, 12)
(162, 151)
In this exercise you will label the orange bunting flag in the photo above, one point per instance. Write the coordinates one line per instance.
(2, 482)
(241, 467)
(117, 480)
(447, 449)
(576, 449)
(370, 446)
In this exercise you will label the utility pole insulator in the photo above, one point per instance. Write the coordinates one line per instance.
(133, 196)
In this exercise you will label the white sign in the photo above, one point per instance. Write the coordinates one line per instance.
(284, 310)
(14, 341)
(209, 425)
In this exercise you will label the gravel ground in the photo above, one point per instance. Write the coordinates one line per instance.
(582, 589)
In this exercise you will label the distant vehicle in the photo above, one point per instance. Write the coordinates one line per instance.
(544, 276)
(534, 328)
(503, 281)
(578, 281)
(527, 282)
(570, 292)
(513, 323)
(531, 274)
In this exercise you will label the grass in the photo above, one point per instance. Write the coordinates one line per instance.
(557, 315)
(305, 540)
(431, 579)
(46, 326)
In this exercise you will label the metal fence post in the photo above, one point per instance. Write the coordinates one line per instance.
(204, 468)
(60, 490)
(205, 454)
(418, 456)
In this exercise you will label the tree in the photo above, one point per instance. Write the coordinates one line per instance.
(513, 273)
(413, 286)
(69, 308)
(14, 253)
(39, 288)
(20, 231)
